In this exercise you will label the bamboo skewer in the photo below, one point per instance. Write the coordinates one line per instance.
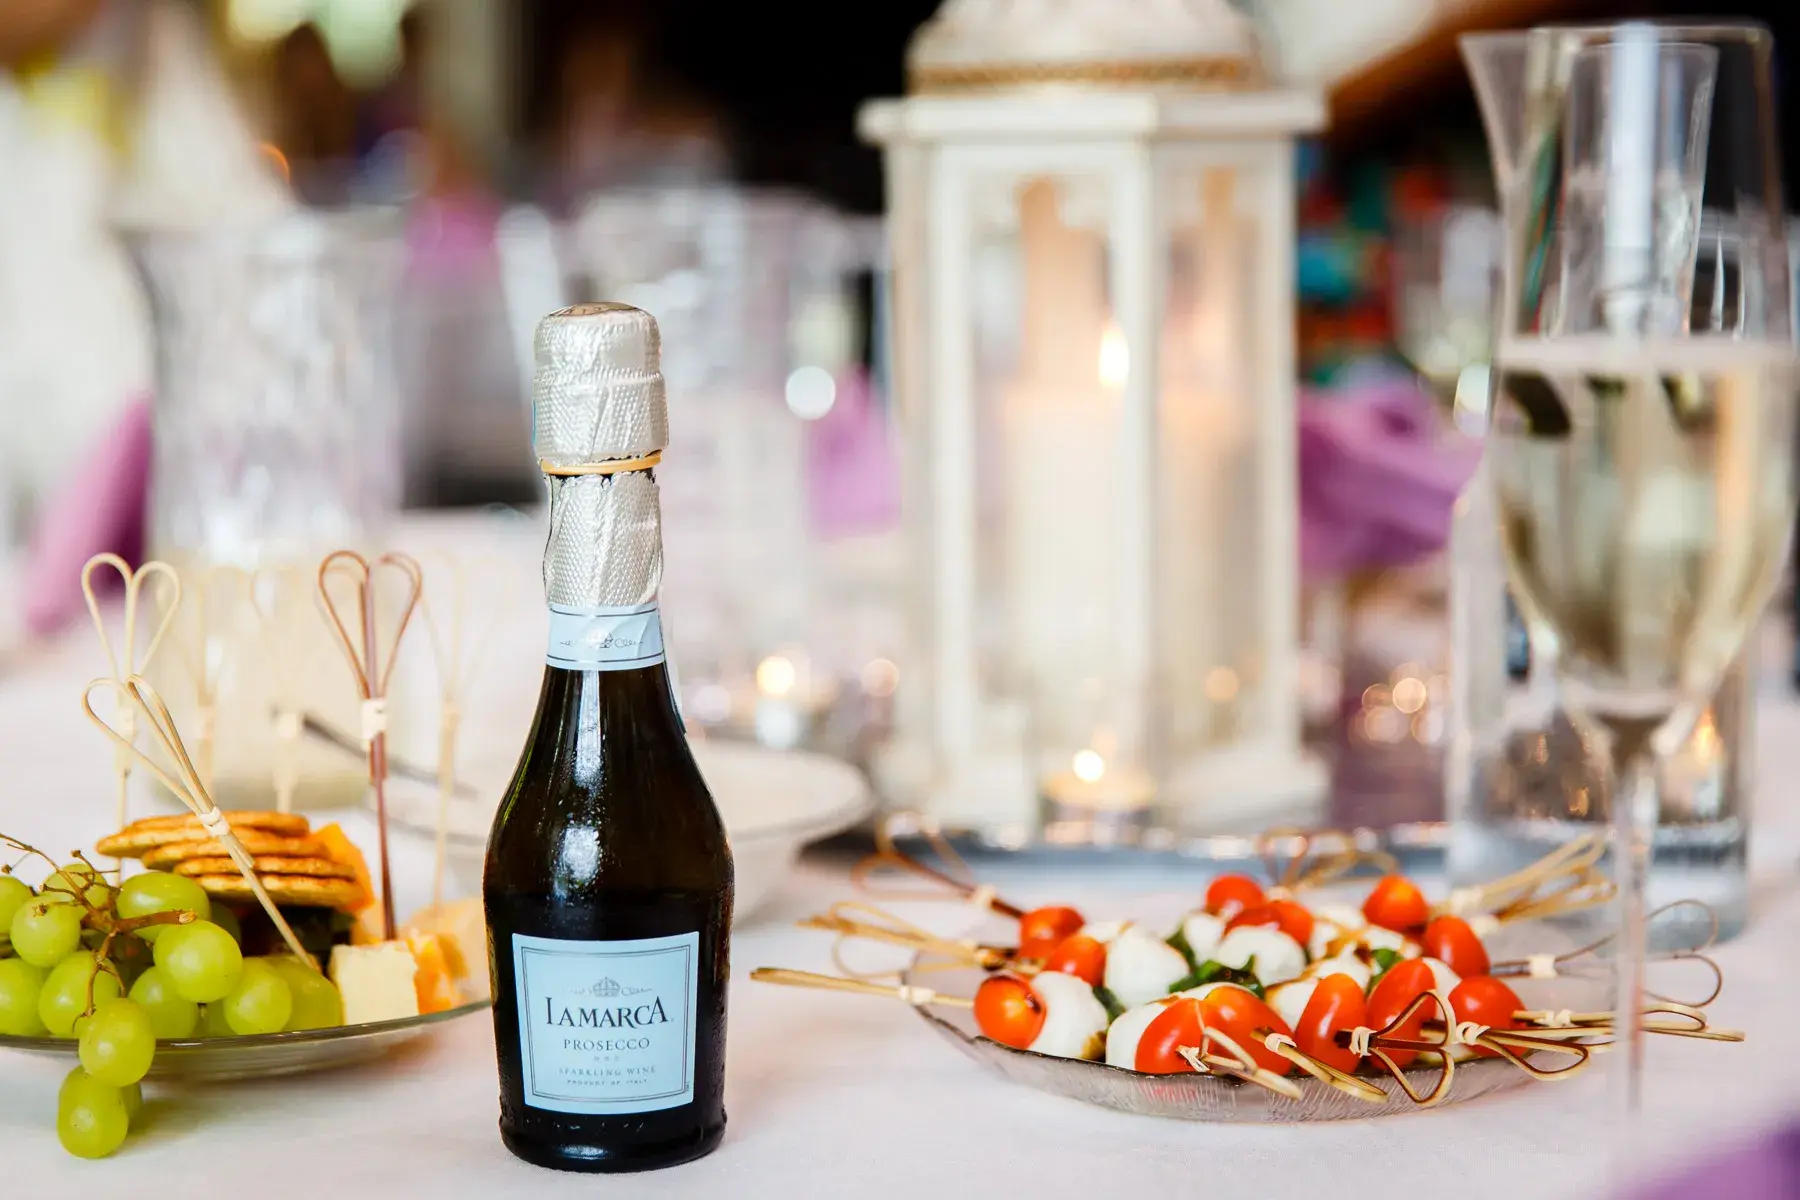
(372, 669)
(455, 671)
(124, 666)
(185, 783)
(281, 585)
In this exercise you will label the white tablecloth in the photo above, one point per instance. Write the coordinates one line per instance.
(838, 1096)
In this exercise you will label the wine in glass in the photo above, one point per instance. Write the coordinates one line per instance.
(1645, 410)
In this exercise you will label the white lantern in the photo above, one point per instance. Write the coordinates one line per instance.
(1092, 213)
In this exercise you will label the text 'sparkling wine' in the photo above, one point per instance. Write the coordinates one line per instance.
(608, 880)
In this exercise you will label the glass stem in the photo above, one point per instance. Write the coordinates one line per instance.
(1635, 812)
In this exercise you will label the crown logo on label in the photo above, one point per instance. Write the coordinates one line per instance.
(608, 989)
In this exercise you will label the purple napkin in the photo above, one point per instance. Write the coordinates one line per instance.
(1765, 1169)
(1378, 478)
(99, 507)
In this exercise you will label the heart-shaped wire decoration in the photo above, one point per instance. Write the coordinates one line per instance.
(124, 661)
(372, 665)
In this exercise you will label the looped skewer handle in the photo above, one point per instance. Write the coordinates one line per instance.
(372, 665)
(1312, 864)
(1585, 960)
(128, 663)
(186, 784)
(1377, 1044)
(888, 855)
(847, 919)
(911, 994)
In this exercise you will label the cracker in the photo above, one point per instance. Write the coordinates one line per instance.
(256, 841)
(284, 889)
(140, 836)
(268, 864)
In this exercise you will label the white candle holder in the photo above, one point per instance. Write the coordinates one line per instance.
(1093, 239)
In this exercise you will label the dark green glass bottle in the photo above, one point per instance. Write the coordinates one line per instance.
(608, 882)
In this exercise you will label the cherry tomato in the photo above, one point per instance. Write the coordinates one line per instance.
(1285, 915)
(1337, 1004)
(1451, 941)
(1397, 904)
(1247, 1021)
(1400, 986)
(1229, 893)
(1042, 929)
(1178, 1025)
(1485, 999)
(1080, 956)
(1007, 1010)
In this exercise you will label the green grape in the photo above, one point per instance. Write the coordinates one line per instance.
(212, 1022)
(43, 934)
(118, 1043)
(201, 961)
(261, 1002)
(77, 877)
(92, 1118)
(13, 893)
(134, 1101)
(65, 994)
(317, 1004)
(227, 920)
(159, 891)
(171, 1015)
(20, 983)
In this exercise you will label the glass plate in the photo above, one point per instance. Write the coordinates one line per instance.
(261, 1056)
(1197, 1097)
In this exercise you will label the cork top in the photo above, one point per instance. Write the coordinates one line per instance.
(597, 387)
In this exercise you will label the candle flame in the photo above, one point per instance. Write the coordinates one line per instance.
(775, 676)
(1087, 765)
(1115, 357)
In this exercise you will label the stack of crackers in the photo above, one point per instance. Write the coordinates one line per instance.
(296, 865)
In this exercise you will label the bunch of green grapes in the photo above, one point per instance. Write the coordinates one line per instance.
(118, 967)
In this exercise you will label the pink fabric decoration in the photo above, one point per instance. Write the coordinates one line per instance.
(1379, 475)
(99, 507)
(852, 478)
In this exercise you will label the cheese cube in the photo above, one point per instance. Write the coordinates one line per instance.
(461, 929)
(376, 982)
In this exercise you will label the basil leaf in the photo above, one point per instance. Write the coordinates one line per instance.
(1384, 961)
(1178, 939)
(1109, 1002)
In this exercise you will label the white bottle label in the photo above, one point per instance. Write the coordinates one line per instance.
(605, 638)
(607, 1027)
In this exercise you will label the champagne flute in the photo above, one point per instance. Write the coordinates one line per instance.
(1645, 412)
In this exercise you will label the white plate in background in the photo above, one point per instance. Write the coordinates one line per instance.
(774, 802)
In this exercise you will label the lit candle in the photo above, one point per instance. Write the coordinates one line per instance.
(1059, 424)
(1094, 784)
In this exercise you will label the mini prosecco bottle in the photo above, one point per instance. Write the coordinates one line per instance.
(608, 881)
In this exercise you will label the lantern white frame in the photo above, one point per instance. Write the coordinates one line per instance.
(937, 145)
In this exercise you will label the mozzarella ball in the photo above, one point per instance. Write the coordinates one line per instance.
(1289, 999)
(1343, 964)
(1278, 957)
(1202, 931)
(1374, 937)
(1343, 916)
(1324, 933)
(1103, 931)
(1123, 1036)
(1141, 967)
(1443, 978)
(1074, 1018)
